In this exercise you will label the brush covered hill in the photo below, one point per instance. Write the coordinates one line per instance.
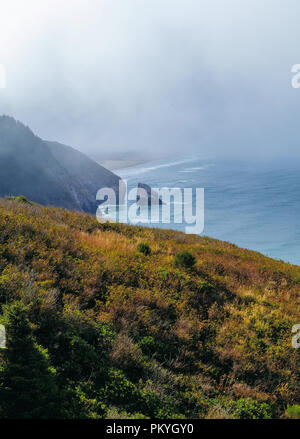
(115, 321)
(48, 173)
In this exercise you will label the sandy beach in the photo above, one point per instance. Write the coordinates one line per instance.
(114, 165)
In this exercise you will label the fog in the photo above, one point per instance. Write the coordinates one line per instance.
(154, 78)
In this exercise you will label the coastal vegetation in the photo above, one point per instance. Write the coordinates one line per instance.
(117, 321)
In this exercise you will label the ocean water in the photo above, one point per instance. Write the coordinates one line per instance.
(255, 205)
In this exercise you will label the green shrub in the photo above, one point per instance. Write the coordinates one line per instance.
(147, 344)
(250, 409)
(20, 199)
(144, 248)
(119, 390)
(116, 413)
(293, 411)
(184, 259)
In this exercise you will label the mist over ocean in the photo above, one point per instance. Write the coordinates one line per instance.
(255, 205)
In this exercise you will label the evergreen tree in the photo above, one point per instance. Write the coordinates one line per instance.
(27, 381)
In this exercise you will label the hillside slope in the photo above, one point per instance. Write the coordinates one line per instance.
(99, 327)
(48, 172)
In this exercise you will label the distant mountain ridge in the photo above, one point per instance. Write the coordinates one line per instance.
(47, 172)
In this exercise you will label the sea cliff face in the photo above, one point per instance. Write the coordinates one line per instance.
(47, 172)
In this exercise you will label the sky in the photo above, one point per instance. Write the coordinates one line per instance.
(155, 78)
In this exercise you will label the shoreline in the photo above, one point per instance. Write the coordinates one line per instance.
(115, 165)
